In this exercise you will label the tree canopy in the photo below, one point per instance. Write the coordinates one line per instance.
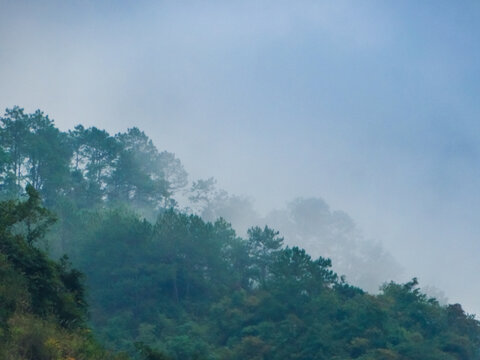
(162, 283)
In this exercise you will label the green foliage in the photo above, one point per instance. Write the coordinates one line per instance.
(148, 353)
(174, 286)
(87, 165)
(54, 288)
(194, 290)
(42, 306)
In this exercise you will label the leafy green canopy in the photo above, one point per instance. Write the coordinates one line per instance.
(177, 287)
(88, 166)
(194, 290)
(53, 288)
(42, 302)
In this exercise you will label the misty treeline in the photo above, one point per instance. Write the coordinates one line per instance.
(163, 283)
(310, 224)
(89, 168)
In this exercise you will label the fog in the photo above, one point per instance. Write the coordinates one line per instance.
(367, 109)
(312, 225)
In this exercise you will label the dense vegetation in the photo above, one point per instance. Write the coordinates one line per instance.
(165, 284)
(42, 304)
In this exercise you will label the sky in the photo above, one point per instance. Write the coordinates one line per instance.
(371, 105)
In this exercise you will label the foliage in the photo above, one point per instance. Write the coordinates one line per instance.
(42, 305)
(190, 289)
(163, 284)
(87, 165)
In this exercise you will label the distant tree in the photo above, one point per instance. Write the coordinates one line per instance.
(49, 156)
(201, 194)
(313, 225)
(211, 203)
(93, 161)
(263, 246)
(173, 171)
(138, 177)
(14, 138)
(295, 273)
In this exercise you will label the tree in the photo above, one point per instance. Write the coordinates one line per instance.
(138, 177)
(296, 274)
(14, 137)
(263, 246)
(173, 171)
(94, 156)
(49, 156)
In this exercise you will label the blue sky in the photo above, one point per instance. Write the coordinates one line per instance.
(373, 106)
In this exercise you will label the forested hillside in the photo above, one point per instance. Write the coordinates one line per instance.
(162, 283)
(43, 309)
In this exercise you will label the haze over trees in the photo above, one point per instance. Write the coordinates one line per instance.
(308, 223)
(162, 283)
(88, 167)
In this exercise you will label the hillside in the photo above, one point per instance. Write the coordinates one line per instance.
(163, 283)
(43, 310)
